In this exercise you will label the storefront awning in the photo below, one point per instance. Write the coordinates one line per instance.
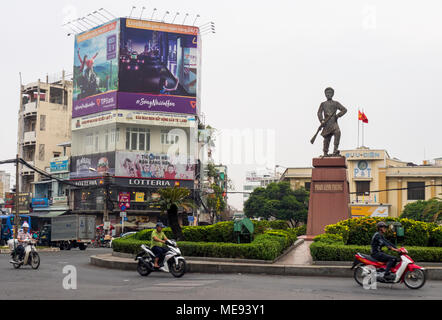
(53, 214)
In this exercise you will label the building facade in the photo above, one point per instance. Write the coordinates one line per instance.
(135, 118)
(379, 184)
(44, 124)
(5, 183)
(255, 179)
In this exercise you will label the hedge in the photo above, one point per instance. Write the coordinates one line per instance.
(360, 231)
(217, 241)
(322, 251)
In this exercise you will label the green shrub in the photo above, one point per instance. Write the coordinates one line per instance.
(278, 224)
(321, 251)
(359, 231)
(329, 238)
(436, 236)
(339, 229)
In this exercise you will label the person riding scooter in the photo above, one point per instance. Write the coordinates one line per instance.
(377, 242)
(158, 239)
(23, 237)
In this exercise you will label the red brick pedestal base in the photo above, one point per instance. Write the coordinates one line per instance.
(329, 195)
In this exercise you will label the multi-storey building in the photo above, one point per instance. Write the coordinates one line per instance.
(44, 124)
(256, 179)
(134, 118)
(5, 183)
(379, 184)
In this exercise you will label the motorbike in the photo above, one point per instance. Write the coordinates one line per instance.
(172, 261)
(405, 271)
(31, 255)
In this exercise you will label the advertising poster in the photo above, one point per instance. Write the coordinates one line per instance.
(153, 165)
(369, 211)
(158, 67)
(60, 164)
(96, 69)
(100, 163)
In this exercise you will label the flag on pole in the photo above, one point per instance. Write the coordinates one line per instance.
(362, 117)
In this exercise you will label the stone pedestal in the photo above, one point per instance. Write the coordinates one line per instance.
(329, 195)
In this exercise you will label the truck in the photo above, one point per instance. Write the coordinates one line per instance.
(71, 231)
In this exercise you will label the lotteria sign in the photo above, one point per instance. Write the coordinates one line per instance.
(154, 183)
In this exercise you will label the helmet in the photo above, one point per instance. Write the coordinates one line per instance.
(160, 224)
(25, 225)
(381, 224)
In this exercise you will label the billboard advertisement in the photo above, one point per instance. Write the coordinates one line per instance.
(92, 165)
(96, 69)
(133, 117)
(158, 67)
(154, 165)
(369, 211)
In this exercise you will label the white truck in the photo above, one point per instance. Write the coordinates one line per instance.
(72, 231)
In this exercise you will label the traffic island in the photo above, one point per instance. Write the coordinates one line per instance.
(200, 266)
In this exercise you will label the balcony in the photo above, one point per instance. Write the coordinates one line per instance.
(30, 109)
(27, 171)
(29, 137)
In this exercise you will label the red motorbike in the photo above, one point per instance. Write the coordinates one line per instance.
(368, 270)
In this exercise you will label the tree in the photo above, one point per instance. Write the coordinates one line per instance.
(424, 210)
(278, 200)
(170, 201)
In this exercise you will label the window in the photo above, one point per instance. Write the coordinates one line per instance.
(41, 152)
(56, 154)
(416, 191)
(362, 188)
(42, 122)
(137, 139)
(167, 138)
(97, 136)
(307, 186)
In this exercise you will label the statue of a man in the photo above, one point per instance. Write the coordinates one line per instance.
(328, 117)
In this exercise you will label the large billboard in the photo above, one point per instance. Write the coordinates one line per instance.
(96, 69)
(158, 67)
(92, 165)
(154, 165)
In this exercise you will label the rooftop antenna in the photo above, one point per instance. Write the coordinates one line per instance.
(153, 13)
(72, 27)
(197, 16)
(176, 14)
(167, 12)
(142, 9)
(185, 18)
(130, 15)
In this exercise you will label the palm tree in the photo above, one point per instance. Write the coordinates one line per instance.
(171, 199)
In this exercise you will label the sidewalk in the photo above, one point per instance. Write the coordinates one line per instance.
(299, 256)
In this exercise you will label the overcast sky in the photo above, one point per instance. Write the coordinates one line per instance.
(266, 69)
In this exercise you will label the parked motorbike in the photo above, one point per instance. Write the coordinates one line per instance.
(31, 255)
(172, 262)
(405, 271)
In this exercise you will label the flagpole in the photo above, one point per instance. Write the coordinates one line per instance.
(363, 129)
(357, 144)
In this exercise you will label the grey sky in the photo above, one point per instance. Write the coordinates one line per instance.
(267, 67)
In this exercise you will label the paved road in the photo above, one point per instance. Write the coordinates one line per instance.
(98, 283)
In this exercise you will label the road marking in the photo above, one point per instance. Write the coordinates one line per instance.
(187, 283)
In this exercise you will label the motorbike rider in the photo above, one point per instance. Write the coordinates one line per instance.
(158, 239)
(23, 237)
(377, 242)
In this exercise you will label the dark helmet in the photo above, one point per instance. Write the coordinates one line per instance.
(381, 224)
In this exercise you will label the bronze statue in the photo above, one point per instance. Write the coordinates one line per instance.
(329, 122)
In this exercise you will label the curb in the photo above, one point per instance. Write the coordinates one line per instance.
(108, 261)
(7, 251)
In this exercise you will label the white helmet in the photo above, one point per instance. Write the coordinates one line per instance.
(25, 225)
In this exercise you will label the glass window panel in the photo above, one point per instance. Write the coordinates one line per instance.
(134, 141)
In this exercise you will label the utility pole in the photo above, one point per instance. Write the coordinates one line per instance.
(17, 202)
(106, 199)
